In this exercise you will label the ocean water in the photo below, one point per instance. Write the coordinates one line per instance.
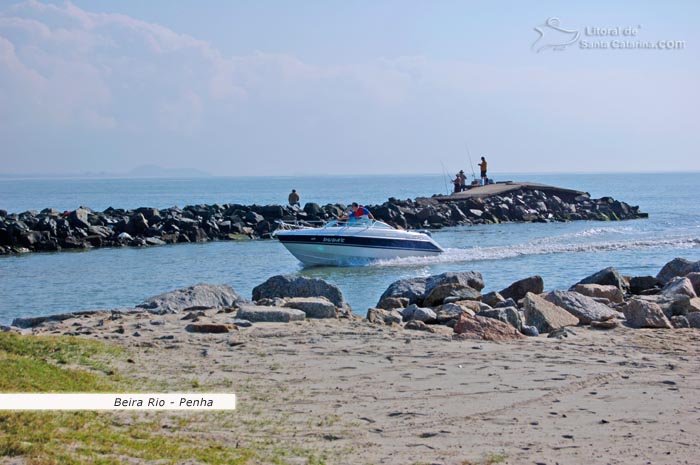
(562, 253)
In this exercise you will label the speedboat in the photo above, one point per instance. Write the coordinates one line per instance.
(353, 242)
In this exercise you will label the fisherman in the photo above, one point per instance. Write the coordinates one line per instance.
(463, 180)
(358, 211)
(457, 181)
(294, 199)
(483, 166)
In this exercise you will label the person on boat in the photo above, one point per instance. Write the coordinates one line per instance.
(358, 211)
(483, 165)
(294, 199)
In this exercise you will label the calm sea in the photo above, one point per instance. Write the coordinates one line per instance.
(562, 253)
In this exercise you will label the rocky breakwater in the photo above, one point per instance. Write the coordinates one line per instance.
(83, 228)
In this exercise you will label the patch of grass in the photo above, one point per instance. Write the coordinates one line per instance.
(68, 364)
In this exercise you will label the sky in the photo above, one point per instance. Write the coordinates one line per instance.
(263, 88)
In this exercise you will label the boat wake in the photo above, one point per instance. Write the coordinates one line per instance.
(542, 247)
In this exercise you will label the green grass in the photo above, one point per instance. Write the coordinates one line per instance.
(68, 364)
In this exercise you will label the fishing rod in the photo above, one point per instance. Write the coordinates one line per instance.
(471, 164)
(444, 172)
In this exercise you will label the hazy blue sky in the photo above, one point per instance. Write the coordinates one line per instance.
(329, 87)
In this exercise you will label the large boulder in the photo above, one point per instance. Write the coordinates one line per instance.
(644, 314)
(487, 329)
(78, 218)
(518, 289)
(677, 267)
(544, 315)
(585, 308)
(644, 285)
(601, 291)
(471, 279)
(607, 277)
(441, 292)
(199, 295)
(679, 286)
(416, 289)
(286, 286)
(313, 307)
(266, 314)
(411, 289)
(509, 315)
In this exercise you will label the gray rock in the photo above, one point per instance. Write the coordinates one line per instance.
(383, 316)
(677, 267)
(546, 316)
(509, 315)
(644, 314)
(299, 286)
(261, 313)
(492, 298)
(390, 303)
(644, 284)
(411, 289)
(79, 218)
(518, 289)
(530, 331)
(454, 310)
(423, 314)
(313, 307)
(416, 289)
(509, 302)
(693, 319)
(199, 295)
(679, 321)
(598, 291)
(607, 277)
(472, 279)
(679, 286)
(414, 312)
(455, 291)
(582, 307)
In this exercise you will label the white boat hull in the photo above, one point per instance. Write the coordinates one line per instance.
(355, 245)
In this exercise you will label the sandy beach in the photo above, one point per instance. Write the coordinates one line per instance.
(358, 393)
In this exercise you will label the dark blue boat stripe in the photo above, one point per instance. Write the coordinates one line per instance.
(368, 242)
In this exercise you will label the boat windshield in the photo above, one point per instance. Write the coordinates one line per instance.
(357, 222)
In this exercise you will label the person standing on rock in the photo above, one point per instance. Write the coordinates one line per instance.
(294, 199)
(483, 165)
(457, 181)
(462, 180)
